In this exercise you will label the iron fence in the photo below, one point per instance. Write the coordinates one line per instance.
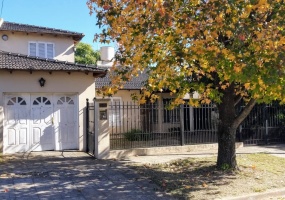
(90, 129)
(264, 125)
(153, 125)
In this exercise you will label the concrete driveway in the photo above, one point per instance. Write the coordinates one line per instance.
(71, 175)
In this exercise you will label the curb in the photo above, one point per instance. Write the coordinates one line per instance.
(279, 192)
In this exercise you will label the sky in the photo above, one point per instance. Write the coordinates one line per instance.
(72, 15)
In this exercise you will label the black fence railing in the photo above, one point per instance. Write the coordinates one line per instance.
(153, 125)
(90, 131)
(264, 125)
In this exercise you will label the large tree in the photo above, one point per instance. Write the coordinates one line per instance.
(226, 50)
(85, 54)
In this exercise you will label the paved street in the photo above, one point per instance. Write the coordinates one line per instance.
(71, 175)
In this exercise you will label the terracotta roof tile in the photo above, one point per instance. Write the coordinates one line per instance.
(9, 26)
(13, 61)
(135, 84)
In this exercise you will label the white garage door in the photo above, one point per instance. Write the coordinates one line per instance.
(40, 122)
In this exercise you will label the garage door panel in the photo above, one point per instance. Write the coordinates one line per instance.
(36, 112)
(11, 136)
(36, 133)
(65, 123)
(47, 136)
(23, 136)
(23, 117)
(42, 111)
(16, 114)
(39, 122)
(70, 115)
(11, 117)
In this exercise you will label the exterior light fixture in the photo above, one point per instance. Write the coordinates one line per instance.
(5, 37)
(42, 82)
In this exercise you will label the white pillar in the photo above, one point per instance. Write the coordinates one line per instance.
(102, 130)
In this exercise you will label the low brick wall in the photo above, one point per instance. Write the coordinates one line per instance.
(118, 154)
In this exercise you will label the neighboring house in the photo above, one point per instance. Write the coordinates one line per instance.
(42, 91)
(125, 114)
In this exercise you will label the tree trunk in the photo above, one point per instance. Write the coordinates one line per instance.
(227, 131)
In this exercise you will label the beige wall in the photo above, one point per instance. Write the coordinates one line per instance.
(126, 95)
(135, 116)
(76, 83)
(18, 43)
(127, 118)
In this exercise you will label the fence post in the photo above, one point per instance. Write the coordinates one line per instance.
(266, 131)
(182, 124)
(266, 123)
(87, 124)
(240, 133)
(101, 126)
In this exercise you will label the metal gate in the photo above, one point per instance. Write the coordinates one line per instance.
(90, 129)
(264, 125)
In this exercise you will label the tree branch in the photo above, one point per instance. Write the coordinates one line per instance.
(237, 100)
(239, 119)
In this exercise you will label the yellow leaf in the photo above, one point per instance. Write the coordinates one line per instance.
(204, 185)
(247, 85)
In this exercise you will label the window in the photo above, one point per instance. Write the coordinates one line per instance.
(115, 111)
(170, 116)
(41, 49)
(16, 100)
(41, 100)
(149, 112)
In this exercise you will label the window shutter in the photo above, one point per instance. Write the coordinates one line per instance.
(50, 51)
(33, 49)
(42, 50)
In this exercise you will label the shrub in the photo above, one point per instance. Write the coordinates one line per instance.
(133, 135)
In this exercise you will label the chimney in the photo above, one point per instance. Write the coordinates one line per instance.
(1, 21)
(107, 55)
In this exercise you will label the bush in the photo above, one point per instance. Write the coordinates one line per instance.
(133, 135)
(137, 135)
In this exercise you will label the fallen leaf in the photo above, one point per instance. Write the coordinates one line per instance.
(163, 183)
(204, 185)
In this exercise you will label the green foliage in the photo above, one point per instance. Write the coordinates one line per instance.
(85, 54)
(137, 135)
(132, 135)
(225, 167)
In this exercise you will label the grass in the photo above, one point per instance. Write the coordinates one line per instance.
(198, 178)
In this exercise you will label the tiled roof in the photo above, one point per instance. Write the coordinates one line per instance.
(135, 84)
(9, 26)
(13, 61)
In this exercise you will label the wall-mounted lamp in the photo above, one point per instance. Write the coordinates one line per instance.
(42, 82)
(5, 37)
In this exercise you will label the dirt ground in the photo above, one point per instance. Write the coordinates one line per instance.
(198, 178)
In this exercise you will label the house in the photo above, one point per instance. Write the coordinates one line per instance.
(126, 115)
(42, 91)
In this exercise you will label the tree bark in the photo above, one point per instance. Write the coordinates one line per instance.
(228, 123)
(227, 131)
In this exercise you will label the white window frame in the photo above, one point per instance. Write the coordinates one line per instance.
(115, 119)
(37, 48)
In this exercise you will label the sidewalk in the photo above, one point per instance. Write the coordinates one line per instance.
(276, 150)
(72, 175)
(76, 175)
